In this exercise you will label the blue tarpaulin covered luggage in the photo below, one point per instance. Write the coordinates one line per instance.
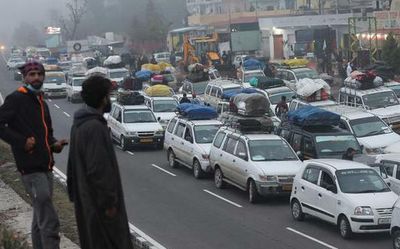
(313, 116)
(143, 74)
(197, 112)
(252, 64)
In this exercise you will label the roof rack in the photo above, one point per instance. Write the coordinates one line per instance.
(248, 125)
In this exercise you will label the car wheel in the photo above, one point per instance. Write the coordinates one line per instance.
(219, 178)
(344, 227)
(122, 143)
(198, 172)
(171, 159)
(254, 197)
(297, 211)
(396, 239)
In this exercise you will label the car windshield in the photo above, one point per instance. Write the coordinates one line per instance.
(233, 89)
(380, 100)
(396, 89)
(357, 181)
(306, 73)
(54, 79)
(78, 82)
(270, 150)
(199, 87)
(334, 145)
(118, 74)
(165, 105)
(364, 127)
(276, 97)
(249, 76)
(139, 116)
(204, 134)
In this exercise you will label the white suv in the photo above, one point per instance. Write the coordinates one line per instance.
(163, 107)
(348, 194)
(395, 226)
(132, 125)
(216, 88)
(262, 164)
(188, 143)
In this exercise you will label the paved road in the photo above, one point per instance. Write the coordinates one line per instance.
(180, 212)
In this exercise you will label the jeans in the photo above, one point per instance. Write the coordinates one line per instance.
(45, 223)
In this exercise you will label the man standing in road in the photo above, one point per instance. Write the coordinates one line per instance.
(25, 124)
(281, 107)
(184, 99)
(94, 183)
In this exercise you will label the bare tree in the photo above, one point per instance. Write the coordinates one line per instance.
(77, 9)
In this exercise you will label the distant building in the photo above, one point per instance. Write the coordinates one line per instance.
(204, 7)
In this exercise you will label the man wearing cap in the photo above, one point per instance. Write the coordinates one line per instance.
(25, 124)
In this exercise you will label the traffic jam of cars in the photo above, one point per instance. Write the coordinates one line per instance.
(336, 158)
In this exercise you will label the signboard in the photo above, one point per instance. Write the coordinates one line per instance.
(387, 19)
(53, 30)
(245, 40)
(77, 46)
(53, 41)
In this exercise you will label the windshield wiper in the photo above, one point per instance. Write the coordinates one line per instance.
(373, 191)
(371, 133)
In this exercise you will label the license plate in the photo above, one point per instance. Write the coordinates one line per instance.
(146, 140)
(384, 221)
(287, 187)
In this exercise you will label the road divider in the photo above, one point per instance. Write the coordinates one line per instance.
(311, 238)
(57, 106)
(222, 198)
(66, 114)
(130, 153)
(163, 170)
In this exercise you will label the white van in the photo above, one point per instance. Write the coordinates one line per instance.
(74, 88)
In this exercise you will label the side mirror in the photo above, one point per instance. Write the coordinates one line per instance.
(243, 156)
(159, 119)
(332, 188)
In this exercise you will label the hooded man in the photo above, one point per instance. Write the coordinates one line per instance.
(25, 124)
(93, 179)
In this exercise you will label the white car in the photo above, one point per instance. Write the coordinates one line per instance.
(370, 131)
(395, 226)
(261, 164)
(55, 84)
(348, 194)
(249, 74)
(188, 143)
(134, 125)
(164, 108)
(391, 165)
(275, 94)
(117, 75)
(74, 88)
(215, 90)
(162, 57)
(1, 100)
(15, 62)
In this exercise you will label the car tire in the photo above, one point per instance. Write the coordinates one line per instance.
(254, 196)
(172, 159)
(219, 178)
(344, 227)
(297, 210)
(396, 239)
(122, 143)
(198, 172)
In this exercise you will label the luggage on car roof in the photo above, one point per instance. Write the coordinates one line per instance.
(130, 98)
(253, 104)
(197, 112)
(313, 116)
(246, 124)
(264, 82)
(159, 91)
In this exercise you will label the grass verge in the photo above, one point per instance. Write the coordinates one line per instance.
(10, 239)
(65, 209)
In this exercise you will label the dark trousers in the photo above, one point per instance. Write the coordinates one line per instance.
(45, 223)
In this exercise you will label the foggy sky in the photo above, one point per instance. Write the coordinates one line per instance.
(36, 12)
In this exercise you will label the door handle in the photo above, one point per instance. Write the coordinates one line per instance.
(319, 195)
(234, 160)
(172, 138)
(182, 143)
(302, 187)
(220, 154)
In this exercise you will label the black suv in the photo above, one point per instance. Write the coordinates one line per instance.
(319, 141)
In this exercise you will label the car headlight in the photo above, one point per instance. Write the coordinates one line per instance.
(374, 151)
(268, 178)
(159, 132)
(132, 133)
(363, 211)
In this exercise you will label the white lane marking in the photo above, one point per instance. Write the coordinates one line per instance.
(130, 153)
(49, 100)
(157, 245)
(311, 238)
(66, 114)
(222, 198)
(57, 106)
(166, 171)
(132, 228)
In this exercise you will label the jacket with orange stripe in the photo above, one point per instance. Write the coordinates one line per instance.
(25, 115)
